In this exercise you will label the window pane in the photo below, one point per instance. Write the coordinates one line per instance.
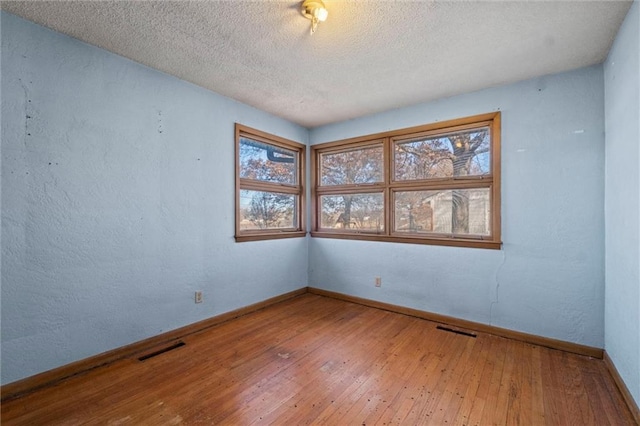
(267, 163)
(357, 166)
(357, 212)
(457, 154)
(267, 210)
(458, 212)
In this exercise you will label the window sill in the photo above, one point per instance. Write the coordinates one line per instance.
(458, 242)
(269, 236)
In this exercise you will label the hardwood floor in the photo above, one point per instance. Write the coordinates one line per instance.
(317, 360)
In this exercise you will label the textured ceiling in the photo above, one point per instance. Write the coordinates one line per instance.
(369, 56)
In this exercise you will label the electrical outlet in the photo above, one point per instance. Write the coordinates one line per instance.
(378, 282)
(198, 297)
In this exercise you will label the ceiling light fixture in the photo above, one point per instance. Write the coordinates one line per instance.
(316, 11)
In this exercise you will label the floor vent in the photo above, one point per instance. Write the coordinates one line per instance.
(451, 330)
(161, 351)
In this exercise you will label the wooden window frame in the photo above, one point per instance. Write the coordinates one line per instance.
(389, 186)
(255, 185)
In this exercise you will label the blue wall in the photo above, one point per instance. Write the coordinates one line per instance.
(118, 203)
(549, 278)
(622, 205)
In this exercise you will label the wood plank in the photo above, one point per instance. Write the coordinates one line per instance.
(537, 398)
(517, 394)
(470, 396)
(494, 392)
(319, 360)
(482, 392)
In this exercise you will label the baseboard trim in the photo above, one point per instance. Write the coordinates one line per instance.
(48, 378)
(470, 325)
(624, 390)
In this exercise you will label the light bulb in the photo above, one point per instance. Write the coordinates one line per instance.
(321, 14)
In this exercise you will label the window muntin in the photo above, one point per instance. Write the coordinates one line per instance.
(269, 190)
(362, 165)
(437, 184)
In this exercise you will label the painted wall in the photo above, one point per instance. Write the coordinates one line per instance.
(118, 203)
(622, 201)
(548, 279)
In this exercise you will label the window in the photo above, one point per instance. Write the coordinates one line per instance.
(432, 184)
(269, 186)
